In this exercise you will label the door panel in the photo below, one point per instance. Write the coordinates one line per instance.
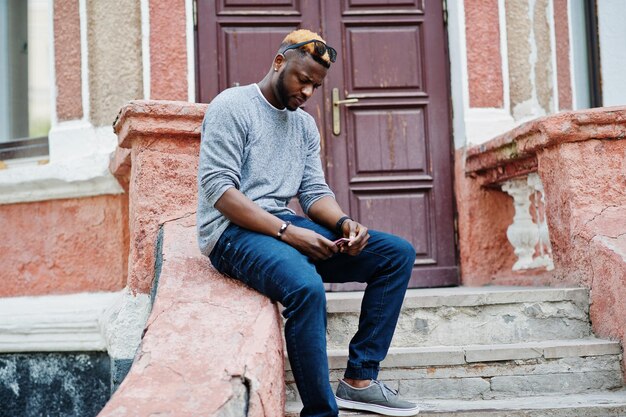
(374, 69)
(359, 7)
(258, 45)
(237, 39)
(390, 142)
(373, 208)
(391, 165)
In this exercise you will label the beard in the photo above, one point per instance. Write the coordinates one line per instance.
(283, 96)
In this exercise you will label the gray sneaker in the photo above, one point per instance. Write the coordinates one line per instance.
(377, 397)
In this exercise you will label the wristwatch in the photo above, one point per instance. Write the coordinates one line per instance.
(283, 227)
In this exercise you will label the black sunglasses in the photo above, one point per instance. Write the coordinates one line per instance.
(320, 48)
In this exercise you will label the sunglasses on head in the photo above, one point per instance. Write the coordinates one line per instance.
(320, 48)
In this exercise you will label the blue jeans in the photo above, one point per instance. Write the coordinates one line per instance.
(283, 274)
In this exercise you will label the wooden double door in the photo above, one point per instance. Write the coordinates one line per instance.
(388, 155)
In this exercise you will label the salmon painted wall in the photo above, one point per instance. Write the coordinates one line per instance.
(64, 246)
(168, 50)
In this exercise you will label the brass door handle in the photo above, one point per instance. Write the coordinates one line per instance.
(336, 114)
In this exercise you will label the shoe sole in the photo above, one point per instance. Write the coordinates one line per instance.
(380, 409)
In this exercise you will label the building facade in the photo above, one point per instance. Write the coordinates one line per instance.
(434, 81)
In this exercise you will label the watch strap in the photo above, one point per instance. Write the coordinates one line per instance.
(340, 222)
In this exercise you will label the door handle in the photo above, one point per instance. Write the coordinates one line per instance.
(336, 114)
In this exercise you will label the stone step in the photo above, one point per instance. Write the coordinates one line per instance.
(475, 372)
(471, 315)
(603, 404)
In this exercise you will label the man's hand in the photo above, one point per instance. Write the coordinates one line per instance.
(312, 244)
(357, 233)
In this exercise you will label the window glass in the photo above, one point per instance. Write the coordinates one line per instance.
(25, 100)
(580, 53)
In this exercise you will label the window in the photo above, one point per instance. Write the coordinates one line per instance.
(25, 84)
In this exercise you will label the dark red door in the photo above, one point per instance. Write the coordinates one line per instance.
(387, 156)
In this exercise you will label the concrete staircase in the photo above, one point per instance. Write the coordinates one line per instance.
(489, 351)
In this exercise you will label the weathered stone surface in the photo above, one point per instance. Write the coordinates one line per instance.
(502, 368)
(554, 383)
(534, 136)
(606, 404)
(212, 346)
(592, 348)
(492, 353)
(408, 369)
(465, 296)
(588, 229)
(608, 311)
(164, 141)
(464, 388)
(487, 324)
(581, 160)
(163, 188)
(53, 384)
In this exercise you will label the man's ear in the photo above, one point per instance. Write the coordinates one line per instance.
(279, 61)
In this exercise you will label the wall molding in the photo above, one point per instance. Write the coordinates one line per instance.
(111, 322)
(484, 124)
(78, 167)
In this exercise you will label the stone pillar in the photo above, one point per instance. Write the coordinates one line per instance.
(157, 160)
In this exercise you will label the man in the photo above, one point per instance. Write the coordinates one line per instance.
(258, 151)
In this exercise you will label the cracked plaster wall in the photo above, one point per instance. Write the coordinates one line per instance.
(588, 228)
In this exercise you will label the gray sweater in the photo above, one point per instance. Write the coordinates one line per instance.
(270, 155)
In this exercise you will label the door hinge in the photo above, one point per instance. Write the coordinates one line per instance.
(195, 13)
(445, 12)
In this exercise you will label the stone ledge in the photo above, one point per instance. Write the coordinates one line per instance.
(580, 405)
(399, 357)
(59, 323)
(83, 322)
(518, 147)
(211, 345)
(156, 118)
(78, 167)
(81, 177)
(350, 302)
(156, 160)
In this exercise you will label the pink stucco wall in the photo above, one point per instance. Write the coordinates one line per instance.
(483, 216)
(63, 246)
(484, 62)
(586, 186)
(67, 60)
(168, 50)
(561, 29)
